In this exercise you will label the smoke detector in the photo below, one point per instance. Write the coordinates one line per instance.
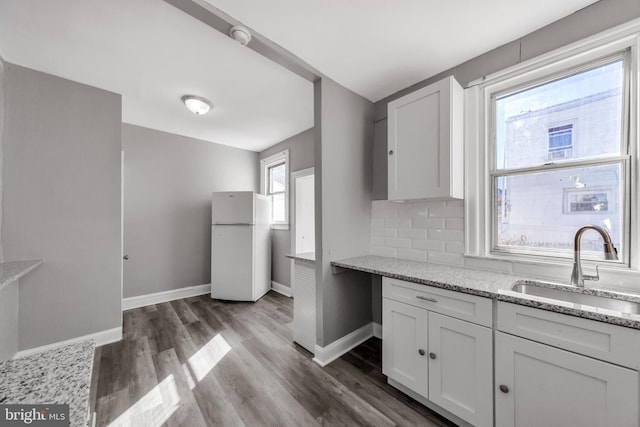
(240, 34)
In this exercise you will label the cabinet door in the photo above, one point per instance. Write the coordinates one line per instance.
(461, 368)
(425, 143)
(404, 345)
(538, 385)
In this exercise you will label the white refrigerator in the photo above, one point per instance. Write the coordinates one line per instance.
(240, 245)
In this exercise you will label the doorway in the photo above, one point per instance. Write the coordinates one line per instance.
(304, 213)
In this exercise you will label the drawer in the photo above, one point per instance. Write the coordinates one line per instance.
(462, 306)
(603, 341)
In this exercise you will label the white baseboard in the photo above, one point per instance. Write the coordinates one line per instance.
(326, 355)
(100, 338)
(377, 330)
(165, 296)
(281, 289)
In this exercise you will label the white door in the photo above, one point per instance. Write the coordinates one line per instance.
(538, 385)
(461, 368)
(305, 238)
(232, 262)
(404, 345)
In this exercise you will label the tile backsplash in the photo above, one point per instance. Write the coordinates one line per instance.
(422, 230)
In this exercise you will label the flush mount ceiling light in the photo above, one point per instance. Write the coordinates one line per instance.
(240, 34)
(196, 104)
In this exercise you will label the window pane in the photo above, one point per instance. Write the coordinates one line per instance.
(278, 207)
(542, 211)
(571, 118)
(277, 178)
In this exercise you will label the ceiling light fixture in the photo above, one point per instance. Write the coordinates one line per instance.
(196, 104)
(240, 34)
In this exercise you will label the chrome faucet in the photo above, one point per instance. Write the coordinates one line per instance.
(610, 253)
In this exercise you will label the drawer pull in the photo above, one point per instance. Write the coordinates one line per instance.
(426, 298)
(432, 356)
(504, 388)
(421, 352)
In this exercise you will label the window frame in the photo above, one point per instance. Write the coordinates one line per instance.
(265, 165)
(480, 134)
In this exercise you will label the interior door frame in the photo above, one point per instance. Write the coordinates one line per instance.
(292, 221)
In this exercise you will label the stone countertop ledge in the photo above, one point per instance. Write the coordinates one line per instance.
(487, 284)
(60, 375)
(307, 257)
(13, 270)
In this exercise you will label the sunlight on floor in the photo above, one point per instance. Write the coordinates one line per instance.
(153, 409)
(208, 356)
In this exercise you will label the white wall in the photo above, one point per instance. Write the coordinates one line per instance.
(61, 185)
(168, 181)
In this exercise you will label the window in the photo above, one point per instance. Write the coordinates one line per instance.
(560, 142)
(550, 147)
(275, 183)
(588, 201)
(535, 165)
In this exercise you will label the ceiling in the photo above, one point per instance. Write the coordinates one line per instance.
(152, 53)
(377, 47)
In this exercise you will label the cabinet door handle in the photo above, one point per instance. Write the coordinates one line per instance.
(504, 388)
(426, 298)
(421, 352)
(391, 152)
(433, 356)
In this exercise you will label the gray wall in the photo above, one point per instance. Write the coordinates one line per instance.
(8, 295)
(583, 23)
(343, 208)
(301, 148)
(61, 184)
(9, 301)
(2, 131)
(168, 181)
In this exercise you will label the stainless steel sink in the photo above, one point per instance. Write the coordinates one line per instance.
(604, 299)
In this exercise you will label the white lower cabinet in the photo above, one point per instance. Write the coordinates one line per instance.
(404, 345)
(460, 368)
(443, 359)
(539, 385)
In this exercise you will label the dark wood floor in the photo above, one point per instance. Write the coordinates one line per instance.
(202, 362)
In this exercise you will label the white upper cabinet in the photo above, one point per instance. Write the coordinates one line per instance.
(425, 143)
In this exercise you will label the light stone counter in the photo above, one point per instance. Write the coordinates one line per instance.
(487, 284)
(61, 375)
(307, 258)
(13, 270)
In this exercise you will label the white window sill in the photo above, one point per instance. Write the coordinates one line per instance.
(279, 226)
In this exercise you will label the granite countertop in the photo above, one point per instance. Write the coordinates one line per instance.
(61, 375)
(488, 284)
(306, 257)
(13, 270)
